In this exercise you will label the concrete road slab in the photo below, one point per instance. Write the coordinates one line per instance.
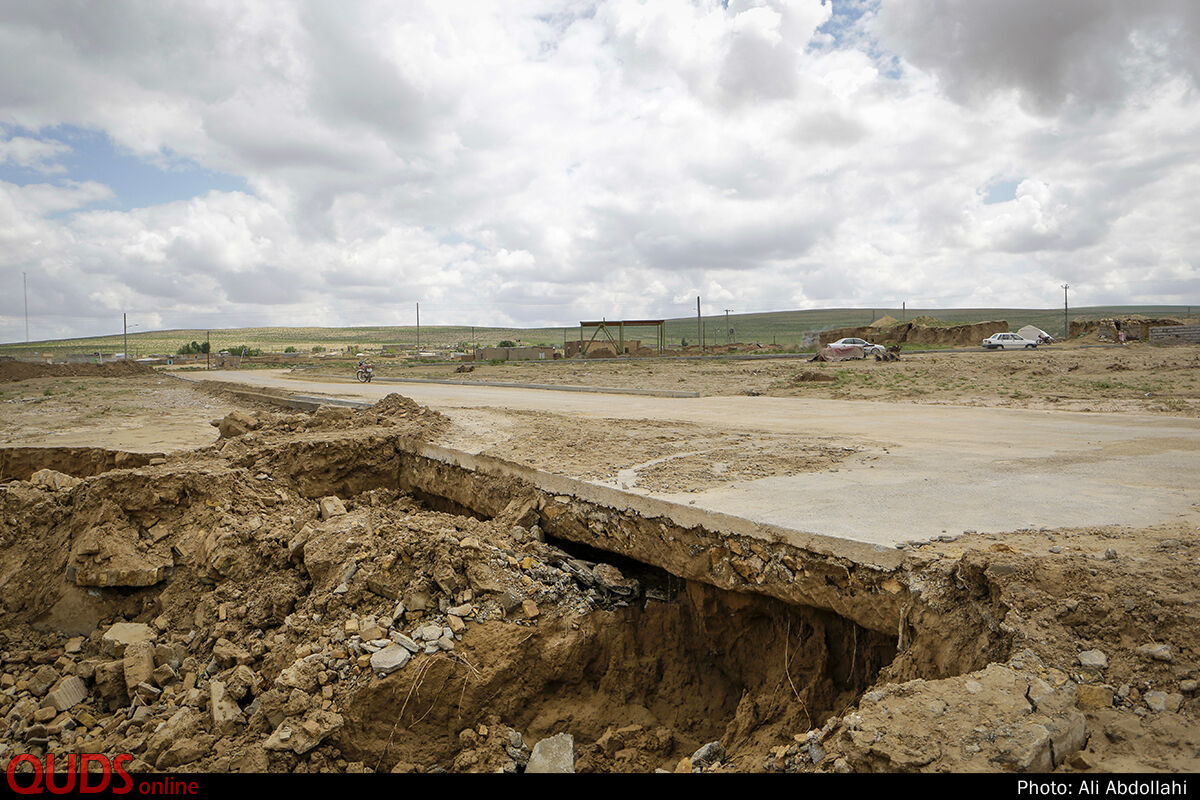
(923, 470)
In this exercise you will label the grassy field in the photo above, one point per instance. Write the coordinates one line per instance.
(780, 327)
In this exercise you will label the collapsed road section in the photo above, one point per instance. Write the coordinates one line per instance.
(331, 592)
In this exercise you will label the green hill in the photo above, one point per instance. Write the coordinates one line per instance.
(780, 327)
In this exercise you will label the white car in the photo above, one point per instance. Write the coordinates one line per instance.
(1007, 341)
(867, 348)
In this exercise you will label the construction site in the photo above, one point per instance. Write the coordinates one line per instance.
(945, 562)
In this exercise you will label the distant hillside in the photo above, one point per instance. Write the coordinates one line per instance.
(781, 327)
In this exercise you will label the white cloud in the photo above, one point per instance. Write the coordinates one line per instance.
(554, 160)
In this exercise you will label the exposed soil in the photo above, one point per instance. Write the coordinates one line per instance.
(272, 568)
(142, 413)
(23, 370)
(651, 454)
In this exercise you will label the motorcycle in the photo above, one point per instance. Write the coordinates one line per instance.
(365, 372)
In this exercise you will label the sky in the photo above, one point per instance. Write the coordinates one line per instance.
(228, 164)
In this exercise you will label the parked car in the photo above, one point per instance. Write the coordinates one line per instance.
(1007, 341)
(867, 348)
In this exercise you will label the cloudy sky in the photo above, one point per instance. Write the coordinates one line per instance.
(544, 161)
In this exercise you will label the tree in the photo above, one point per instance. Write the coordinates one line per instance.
(507, 343)
(289, 349)
(193, 348)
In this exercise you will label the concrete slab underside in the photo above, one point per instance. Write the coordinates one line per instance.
(922, 470)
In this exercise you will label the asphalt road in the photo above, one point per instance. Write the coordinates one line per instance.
(926, 470)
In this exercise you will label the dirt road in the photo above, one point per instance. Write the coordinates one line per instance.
(916, 472)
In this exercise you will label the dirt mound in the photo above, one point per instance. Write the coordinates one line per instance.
(809, 376)
(922, 330)
(23, 370)
(395, 412)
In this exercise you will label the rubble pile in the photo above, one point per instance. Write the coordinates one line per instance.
(394, 413)
(237, 638)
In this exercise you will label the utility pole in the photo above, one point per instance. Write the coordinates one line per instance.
(208, 350)
(903, 310)
(1066, 324)
(699, 328)
(25, 288)
(728, 330)
(125, 335)
(418, 330)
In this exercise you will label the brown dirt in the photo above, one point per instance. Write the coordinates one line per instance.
(1147, 379)
(663, 456)
(21, 370)
(224, 553)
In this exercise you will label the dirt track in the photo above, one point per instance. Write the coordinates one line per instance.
(915, 471)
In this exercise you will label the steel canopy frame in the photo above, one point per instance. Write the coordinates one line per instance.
(602, 327)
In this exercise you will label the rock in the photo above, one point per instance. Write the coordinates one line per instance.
(1093, 659)
(53, 480)
(1161, 701)
(1080, 761)
(301, 736)
(390, 659)
(184, 723)
(708, 755)
(227, 717)
(42, 680)
(417, 601)
(303, 675)
(109, 682)
(428, 633)
(1095, 696)
(464, 610)
(331, 506)
(455, 624)
(67, 692)
(227, 654)
(1188, 686)
(445, 643)
(235, 423)
(242, 681)
(555, 754)
(148, 692)
(164, 675)
(123, 634)
(529, 609)
(138, 665)
(1158, 652)
(184, 752)
(404, 641)
(611, 579)
(510, 601)
(383, 587)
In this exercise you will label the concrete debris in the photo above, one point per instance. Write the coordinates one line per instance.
(1093, 659)
(708, 755)
(555, 754)
(390, 659)
(1157, 652)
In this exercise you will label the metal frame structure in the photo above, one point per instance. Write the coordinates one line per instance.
(602, 327)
